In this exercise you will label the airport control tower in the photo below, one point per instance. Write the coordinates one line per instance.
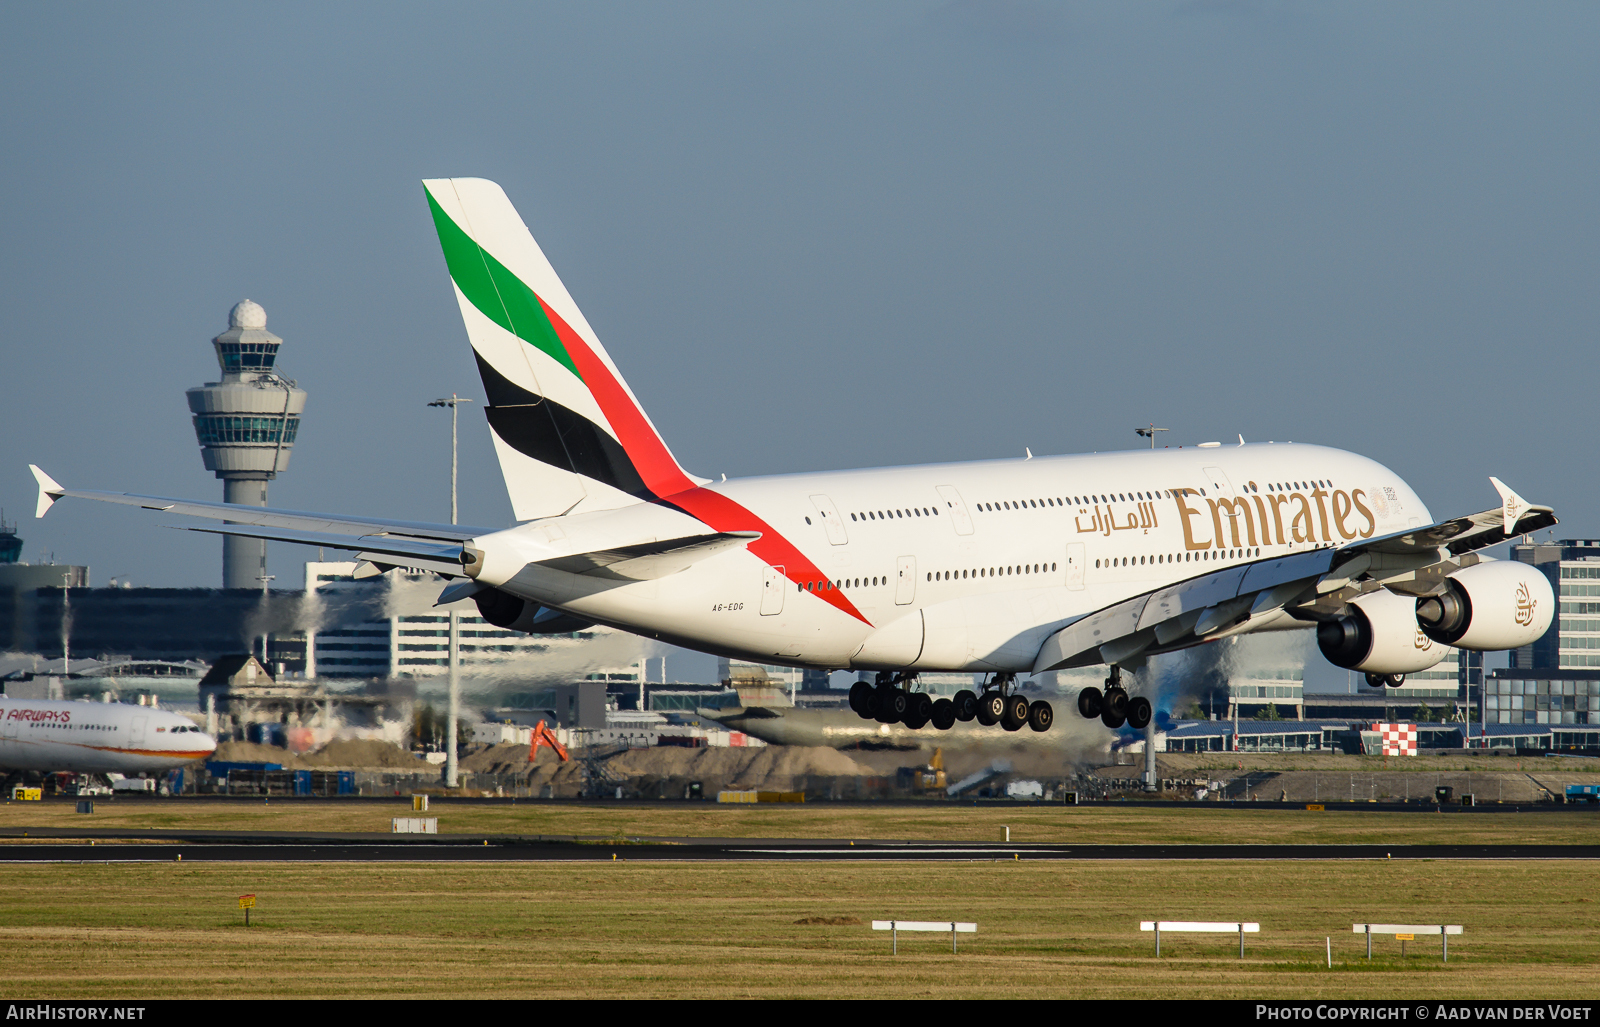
(246, 424)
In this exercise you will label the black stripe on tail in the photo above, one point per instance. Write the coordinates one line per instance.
(556, 435)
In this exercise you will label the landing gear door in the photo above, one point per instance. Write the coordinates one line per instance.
(905, 585)
(831, 520)
(774, 584)
(1075, 565)
(955, 509)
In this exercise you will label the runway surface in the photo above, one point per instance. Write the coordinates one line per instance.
(238, 846)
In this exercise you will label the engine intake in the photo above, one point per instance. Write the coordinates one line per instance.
(1501, 604)
(1379, 636)
(504, 610)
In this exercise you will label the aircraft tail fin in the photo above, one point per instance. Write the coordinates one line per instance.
(569, 432)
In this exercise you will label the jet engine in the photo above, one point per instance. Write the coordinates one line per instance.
(1501, 604)
(504, 610)
(1379, 636)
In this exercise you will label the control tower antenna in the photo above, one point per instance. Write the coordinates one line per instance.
(246, 425)
(1149, 433)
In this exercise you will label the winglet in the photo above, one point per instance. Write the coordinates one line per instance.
(49, 491)
(1512, 506)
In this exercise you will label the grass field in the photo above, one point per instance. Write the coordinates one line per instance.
(1094, 824)
(731, 930)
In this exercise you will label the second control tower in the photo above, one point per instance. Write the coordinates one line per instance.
(246, 425)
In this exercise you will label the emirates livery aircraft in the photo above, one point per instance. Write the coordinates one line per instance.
(1005, 567)
(92, 737)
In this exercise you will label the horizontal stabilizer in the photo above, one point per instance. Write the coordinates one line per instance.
(647, 561)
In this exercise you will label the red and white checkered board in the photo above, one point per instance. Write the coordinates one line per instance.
(1398, 739)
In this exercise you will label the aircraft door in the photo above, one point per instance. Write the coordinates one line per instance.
(136, 733)
(831, 520)
(773, 585)
(1075, 556)
(8, 729)
(955, 509)
(905, 586)
(1219, 481)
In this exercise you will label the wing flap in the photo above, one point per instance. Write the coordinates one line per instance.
(387, 549)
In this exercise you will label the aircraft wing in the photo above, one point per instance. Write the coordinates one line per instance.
(262, 516)
(1308, 586)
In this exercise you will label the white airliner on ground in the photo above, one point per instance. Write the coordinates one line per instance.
(1007, 567)
(94, 737)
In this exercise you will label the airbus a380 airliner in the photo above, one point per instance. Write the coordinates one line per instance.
(1005, 567)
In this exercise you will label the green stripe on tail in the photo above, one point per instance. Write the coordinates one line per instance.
(501, 296)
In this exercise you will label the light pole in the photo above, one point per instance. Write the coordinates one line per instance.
(265, 631)
(1149, 433)
(454, 705)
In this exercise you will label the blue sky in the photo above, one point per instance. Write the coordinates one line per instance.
(811, 235)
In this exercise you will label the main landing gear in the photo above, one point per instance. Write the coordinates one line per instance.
(1114, 707)
(890, 700)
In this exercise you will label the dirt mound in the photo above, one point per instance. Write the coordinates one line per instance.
(505, 758)
(773, 768)
(254, 752)
(364, 753)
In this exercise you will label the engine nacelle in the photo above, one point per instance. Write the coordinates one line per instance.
(1502, 604)
(504, 610)
(1379, 636)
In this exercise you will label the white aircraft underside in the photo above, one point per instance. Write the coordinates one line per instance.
(1012, 566)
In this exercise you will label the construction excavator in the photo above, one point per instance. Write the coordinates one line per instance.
(542, 735)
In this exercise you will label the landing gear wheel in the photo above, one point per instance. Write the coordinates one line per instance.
(1138, 712)
(991, 706)
(1015, 714)
(861, 698)
(919, 710)
(944, 714)
(1040, 715)
(891, 704)
(966, 704)
(1090, 703)
(1115, 712)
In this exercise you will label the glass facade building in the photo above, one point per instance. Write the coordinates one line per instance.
(1548, 696)
(1573, 641)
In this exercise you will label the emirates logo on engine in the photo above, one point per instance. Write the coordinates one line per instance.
(1525, 605)
(1422, 641)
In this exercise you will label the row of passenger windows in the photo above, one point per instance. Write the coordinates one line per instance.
(1113, 497)
(1203, 555)
(1127, 497)
(889, 515)
(829, 586)
(991, 572)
